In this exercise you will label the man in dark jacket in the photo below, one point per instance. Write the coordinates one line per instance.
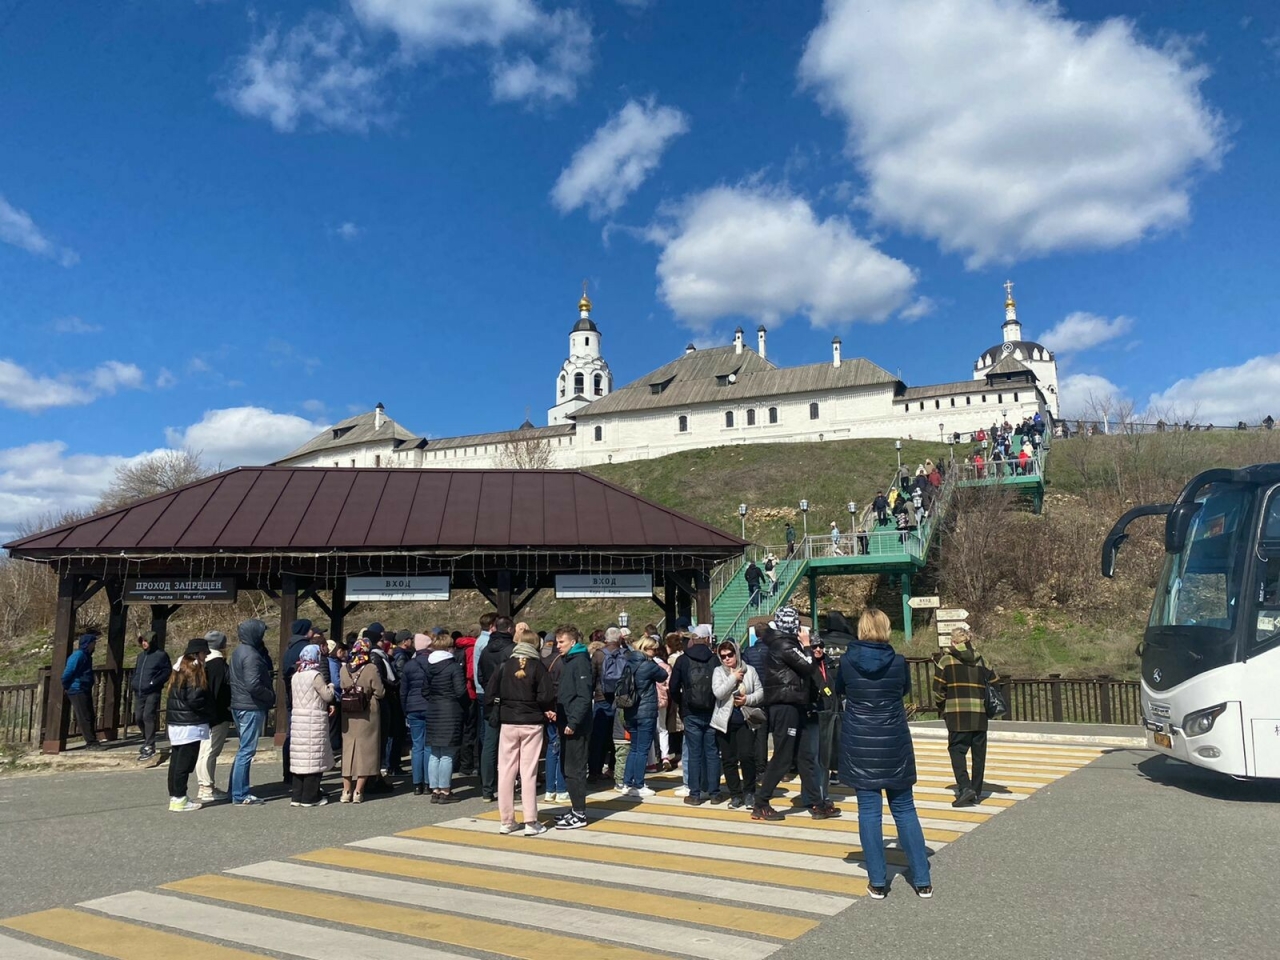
(753, 577)
(252, 695)
(496, 651)
(150, 673)
(690, 686)
(215, 670)
(755, 654)
(788, 693)
(881, 506)
(77, 683)
(821, 733)
(574, 707)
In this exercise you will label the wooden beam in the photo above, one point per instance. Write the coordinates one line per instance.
(160, 614)
(485, 588)
(57, 712)
(89, 593)
(524, 600)
(314, 597)
(503, 594)
(703, 596)
(113, 688)
(288, 614)
(338, 610)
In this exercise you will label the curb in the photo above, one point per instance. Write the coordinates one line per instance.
(1014, 736)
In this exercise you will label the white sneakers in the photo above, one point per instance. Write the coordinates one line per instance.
(644, 792)
(682, 791)
(507, 828)
(211, 795)
(548, 797)
(182, 805)
(534, 829)
(562, 797)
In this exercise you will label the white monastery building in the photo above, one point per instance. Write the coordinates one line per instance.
(712, 398)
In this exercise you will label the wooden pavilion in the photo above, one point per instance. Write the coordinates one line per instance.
(308, 533)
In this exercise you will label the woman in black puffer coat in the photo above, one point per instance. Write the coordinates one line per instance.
(444, 684)
(188, 715)
(876, 753)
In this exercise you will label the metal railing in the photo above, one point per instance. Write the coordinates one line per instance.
(20, 709)
(993, 471)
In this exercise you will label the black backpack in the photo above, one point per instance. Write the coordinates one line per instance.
(698, 695)
(625, 694)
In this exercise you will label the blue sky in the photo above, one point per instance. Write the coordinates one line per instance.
(227, 225)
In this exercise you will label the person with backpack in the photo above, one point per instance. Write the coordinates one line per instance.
(788, 692)
(574, 717)
(444, 691)
(637, 696)
(690, 686)
(499, 646)
(960, 682)
(557, 790)
(607, 663)
(753, 576)
(521, 694)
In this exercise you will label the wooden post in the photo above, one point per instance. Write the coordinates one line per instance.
(57, 709)
(1104, 700)
(703, 597)
(288, 614)
(338, 616)
(113, 694)
(1055, 696)
(813, 602)
(160, 613)
(668, 604)
(502, 594)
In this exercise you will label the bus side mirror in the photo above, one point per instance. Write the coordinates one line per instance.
(1176, 527)
(1109, 550)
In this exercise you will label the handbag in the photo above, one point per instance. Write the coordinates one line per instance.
(754, 716)
(994, 702)
(354, 700)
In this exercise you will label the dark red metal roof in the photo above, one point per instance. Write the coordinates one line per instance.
(310, 509)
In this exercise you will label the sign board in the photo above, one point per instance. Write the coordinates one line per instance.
(180, 590)
(590, 586)
(951, 613)
(946, 626)
(924, 603)
(397, 588)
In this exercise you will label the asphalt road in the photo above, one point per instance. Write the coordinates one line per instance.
(1132, 856)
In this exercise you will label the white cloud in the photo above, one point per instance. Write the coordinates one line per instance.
(636, 4)
(17, 228)
(538, 55)
(920, 307)
(166, 379)
(348, 231)
(1225, 395)
(618, 158)
(318, 73)
(20, 389)
(314, 407)
(113, 375)
(73, 325)
(237, 436)
(1003, 130)
(1081, 331)
(763, 253)
(1086, 394)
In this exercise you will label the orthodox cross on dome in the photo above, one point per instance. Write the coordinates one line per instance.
(1008, 293)
(584, 305)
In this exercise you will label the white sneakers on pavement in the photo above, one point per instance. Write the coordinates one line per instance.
(182, 805)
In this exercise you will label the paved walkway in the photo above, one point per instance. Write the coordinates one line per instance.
(646, 880)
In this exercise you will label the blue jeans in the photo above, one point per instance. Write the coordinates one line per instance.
(601, 743)
(249, 724)
(713, 777)
(910, 836)
(555, 768)
(702, 753)
(642, 732)
(440, 767)
(418, 732)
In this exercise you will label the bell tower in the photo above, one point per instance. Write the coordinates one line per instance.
(584, 376)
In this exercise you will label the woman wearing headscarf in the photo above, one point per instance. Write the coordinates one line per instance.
(444, 685)
(524, 699)
(413, 679)
(188, 713)
(876, 756)
(362, 688)
(310, 753)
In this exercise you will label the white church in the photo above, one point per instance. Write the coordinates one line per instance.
(711, 398)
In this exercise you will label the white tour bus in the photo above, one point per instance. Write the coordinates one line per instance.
(1211, 650)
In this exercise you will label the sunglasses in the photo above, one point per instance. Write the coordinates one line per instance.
(727, 656)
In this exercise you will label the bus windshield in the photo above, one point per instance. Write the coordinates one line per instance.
(1200, 587)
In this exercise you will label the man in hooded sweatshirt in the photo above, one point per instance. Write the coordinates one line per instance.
(150, 674)
(215, 671)
(501, 643)
(252, 695)
(77, 681)
(788, 692)
(300, 635)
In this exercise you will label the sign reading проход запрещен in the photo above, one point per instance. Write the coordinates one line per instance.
(180, 590)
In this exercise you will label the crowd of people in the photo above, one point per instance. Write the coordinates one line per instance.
(999, 453)
(563, 711)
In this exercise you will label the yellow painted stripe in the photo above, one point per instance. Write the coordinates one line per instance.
(847, 793)
(849, 822)
(765, 841)
(114, 938)
(510, 941)
(652, 905)
(698, 866)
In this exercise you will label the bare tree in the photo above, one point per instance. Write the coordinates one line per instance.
(529, 453)
(165, 470)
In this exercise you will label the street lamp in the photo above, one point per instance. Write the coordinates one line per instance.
(897, 447)
(624, 619)
(941, 436)
(742, 514)
(853, 526)
(804, 514)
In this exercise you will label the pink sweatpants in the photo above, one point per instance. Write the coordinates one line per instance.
(519, 746)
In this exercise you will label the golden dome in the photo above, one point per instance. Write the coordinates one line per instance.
(584, 304)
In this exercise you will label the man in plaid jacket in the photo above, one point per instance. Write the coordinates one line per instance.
(960, 681)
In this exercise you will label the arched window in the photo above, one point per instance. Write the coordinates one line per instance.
(773, 414)
(599, 433)
(562, 386)
(921, 404)
(578, 384)
(684, 424)
(587, 341)
(597, 384)
(813, 411)
(728, 418)
(1015, 397)
(937, 404)
(953, 401)
(751, 418)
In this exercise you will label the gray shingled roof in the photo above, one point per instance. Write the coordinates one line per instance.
(957, 387)
(1026, 346)
(502, 436)
(353, 430)
(699, 377)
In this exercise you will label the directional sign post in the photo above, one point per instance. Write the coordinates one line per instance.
(952, 613)
(925, 603)
(948, 619)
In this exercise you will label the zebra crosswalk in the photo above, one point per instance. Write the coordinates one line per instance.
(651, 880)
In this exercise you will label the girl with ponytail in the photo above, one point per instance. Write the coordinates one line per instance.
(523, 698)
